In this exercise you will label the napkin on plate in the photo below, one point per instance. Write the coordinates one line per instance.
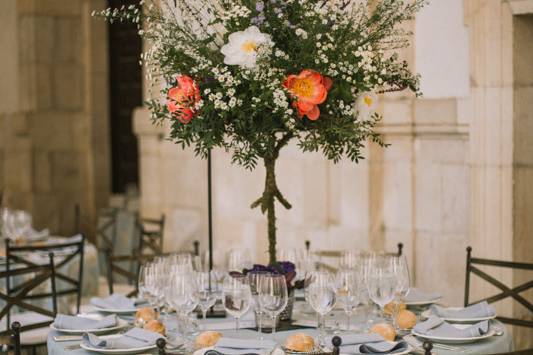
(438, 327)
(418, 295)
(63, 321)
(115, 301)
(134, 338)
(234, 346)
(369, 343)
(478, 310)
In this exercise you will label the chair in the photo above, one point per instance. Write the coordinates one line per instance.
(106, 234)
(115, 266)
(151, 232)
(33, 324)
(75, 247)
(506, 292)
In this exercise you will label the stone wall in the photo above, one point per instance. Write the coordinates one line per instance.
(53, 113)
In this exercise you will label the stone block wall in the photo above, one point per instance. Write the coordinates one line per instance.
(53, 118)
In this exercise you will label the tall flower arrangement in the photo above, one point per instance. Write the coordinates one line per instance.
(249, 76)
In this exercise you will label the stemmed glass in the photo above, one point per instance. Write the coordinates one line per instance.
(322, 297)
(238, 259)
(403, 282)
(205, 293)
(254, 279)
(381, 282)
(180, 296)
(348, 292)
(237, 297)
(273, 296)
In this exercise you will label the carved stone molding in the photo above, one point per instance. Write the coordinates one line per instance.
(521, 7)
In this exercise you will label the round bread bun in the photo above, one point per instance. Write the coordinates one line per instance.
(207, 339)
(155, 326)
(145, 314)
(389, 307)
(300, 342)
(406, 319)
(385, 330)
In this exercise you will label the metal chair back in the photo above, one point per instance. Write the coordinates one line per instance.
(506, 292)
(28, 290)
(76, 249)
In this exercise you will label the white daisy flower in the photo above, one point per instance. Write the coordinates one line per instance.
(241, 48)
(366, 104)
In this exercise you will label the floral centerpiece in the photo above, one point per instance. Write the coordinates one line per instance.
(250, 76)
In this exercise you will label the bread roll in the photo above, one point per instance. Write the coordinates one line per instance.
(385, 330)
(207, 339)
(406, 319)
(144, 315)
(389, 307)
(155, 326)
(300, 342)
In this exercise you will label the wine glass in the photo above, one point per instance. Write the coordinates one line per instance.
(238, 259)
(403, 282)
(322, 297)
(254, 280)
(381, 283)
(237, 297)
(273, 296)
(204, 294)
(180, 296)
(350, 260)
(348, 292)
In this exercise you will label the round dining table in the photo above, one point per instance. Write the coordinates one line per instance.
(497, 344)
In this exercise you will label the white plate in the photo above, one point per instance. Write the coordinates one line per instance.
(112, 310)
(449, 340)
(428, 313)
(121, 324)
(116, 351)
(423, 302)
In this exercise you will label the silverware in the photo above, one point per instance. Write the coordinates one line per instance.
(413, 341)
(60, 338)
(72, 347)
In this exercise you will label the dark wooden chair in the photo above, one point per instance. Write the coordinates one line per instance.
(506, 292)
(151, 233)
(75, 245)
(33, 321)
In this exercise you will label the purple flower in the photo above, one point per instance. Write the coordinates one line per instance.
(260, 6)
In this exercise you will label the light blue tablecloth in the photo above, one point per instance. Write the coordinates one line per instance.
(494, 345)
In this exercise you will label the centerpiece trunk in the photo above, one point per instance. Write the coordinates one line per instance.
(270, 194)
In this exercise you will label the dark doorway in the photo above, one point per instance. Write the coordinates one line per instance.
(125, 80)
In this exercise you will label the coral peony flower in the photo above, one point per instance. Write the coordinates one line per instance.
(183, 98)
(310, 89)
(366, 104)
(241, 48)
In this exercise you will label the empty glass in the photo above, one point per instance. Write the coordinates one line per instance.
(238, 259)
(321, 295)
(204, 294)
(403, 282)
(381, 282)
(273, 296)
(237, 297)
(254, 279)
(348, 284)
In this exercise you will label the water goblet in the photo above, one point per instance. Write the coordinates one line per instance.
(237, 297)
(273, 296)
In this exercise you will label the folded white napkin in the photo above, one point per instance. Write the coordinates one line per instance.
(64, 321)
(134, 338)
(478, 310)
(435, 326)
(418, 295)
(115, 301)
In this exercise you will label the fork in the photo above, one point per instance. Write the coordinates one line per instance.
(72, 347)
